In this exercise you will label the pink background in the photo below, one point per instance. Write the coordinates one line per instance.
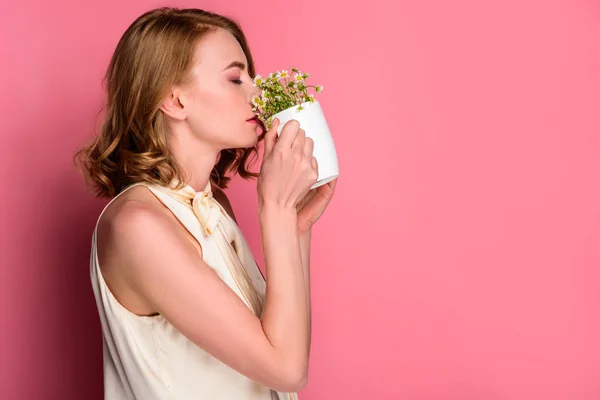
(460, 257)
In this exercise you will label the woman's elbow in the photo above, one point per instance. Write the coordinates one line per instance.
(299, 382)
(294, 381)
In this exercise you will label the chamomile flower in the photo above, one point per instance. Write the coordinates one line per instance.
(258, 101)
(298, 78)
(281, 90)
(258, 81)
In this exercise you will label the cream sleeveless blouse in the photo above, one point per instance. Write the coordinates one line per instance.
(146, 358)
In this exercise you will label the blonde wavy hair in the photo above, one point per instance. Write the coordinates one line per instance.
(155, 53)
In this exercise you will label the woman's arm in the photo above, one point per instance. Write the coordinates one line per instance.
(286, 316)
(305, 241)
(160, 264)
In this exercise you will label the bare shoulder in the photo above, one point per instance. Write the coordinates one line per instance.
(221, 197)
(138, 219)
(136, 223)
(135, 203)
(131, 214)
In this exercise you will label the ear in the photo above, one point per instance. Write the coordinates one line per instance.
(173, 106)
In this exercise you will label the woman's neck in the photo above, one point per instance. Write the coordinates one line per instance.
(197, 161)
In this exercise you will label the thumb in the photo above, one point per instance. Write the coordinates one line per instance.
(271, 137)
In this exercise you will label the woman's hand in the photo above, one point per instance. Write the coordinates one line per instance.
(312, 206)
(288, 168)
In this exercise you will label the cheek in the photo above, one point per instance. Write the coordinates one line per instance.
(218, 112)
(219, 100)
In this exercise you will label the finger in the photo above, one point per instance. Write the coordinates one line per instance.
(315, 165)
(333, 183)
(271, 137)
(288, 133)
(299, 140)
(309, 145)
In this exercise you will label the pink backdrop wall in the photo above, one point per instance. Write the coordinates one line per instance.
(460, 258)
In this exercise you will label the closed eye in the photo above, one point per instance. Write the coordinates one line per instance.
(237, 81)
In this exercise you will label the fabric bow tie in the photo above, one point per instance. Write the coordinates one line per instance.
(212, 218)
(205, 207)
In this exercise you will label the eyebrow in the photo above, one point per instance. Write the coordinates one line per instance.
(235, 64)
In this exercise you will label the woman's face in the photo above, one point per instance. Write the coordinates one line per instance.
(218, 102)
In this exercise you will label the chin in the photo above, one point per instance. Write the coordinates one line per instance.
(245, 139)
(246, 144)
(252, 141)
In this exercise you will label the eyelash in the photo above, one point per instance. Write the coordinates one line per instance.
(237, 81)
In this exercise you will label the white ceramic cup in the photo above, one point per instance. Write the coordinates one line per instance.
(312, 120)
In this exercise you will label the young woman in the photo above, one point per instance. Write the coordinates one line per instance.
(185, 311)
